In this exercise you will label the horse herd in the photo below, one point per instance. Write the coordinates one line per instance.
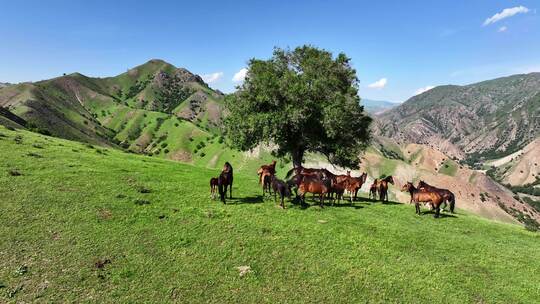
(325, 184)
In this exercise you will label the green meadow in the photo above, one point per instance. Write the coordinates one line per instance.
(83, 223)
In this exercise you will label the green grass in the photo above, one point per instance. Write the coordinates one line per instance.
(77, 205)
(449, 167)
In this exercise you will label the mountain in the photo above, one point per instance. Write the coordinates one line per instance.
(151, 108)
(479, 121)
(4, 84)
(377, 106)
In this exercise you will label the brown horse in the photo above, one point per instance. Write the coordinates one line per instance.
(419, 196)
(313, 185)
(446, 194)
(361, 180)
(338, 189)
(381, 186)
(373, 189)
(266, 170)
(213, 187)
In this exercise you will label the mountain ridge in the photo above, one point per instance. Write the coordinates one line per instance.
(485, 119)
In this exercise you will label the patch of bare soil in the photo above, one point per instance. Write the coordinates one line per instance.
(181, 155)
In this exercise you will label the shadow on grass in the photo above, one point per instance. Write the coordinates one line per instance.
(370, 200)
(258, 199)
(441, 215)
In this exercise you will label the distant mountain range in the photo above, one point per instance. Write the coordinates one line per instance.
(484, 120)
(4, 84)
(377, 106)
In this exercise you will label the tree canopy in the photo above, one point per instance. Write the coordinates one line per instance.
(303, 100)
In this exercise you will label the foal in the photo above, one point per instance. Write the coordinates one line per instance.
(213, 187)
(282, 188)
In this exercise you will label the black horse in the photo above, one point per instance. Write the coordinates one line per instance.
(282, 188)
(225, 180)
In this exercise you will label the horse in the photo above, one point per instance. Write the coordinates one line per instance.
(319, 173)
(282, 188)
(265, 170)
(338, 189)
(313, 185)
(423, 196)
(225, 180)
(383, 187)
(446, 194)
(213, 187)
(267, 183)
(361, 180)
(373, 190)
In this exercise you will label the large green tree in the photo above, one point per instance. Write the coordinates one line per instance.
(303, 100)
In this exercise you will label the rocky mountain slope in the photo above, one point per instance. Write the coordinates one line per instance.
(483, 120)
(152, 108)
(519, 168)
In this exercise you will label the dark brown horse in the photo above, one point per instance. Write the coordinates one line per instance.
(446, 194)
(267, 182)
(225, 180)
(423, 196)
(282, 188)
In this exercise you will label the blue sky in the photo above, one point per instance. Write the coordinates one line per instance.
(397, 47)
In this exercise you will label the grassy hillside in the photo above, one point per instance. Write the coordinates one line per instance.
(136, 110)
(88, 224)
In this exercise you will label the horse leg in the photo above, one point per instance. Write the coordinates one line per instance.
(322, 199)
(282, 200)
(437, 210)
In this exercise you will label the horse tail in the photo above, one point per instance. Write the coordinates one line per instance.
(452, 203)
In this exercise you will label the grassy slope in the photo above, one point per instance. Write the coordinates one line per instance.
(74, 205)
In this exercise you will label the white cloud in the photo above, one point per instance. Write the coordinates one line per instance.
(379, 84)
(505, 13)
(210, 78)
(240, 75)
(502, 29)
(422, 90)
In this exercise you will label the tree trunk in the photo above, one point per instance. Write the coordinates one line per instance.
(297, 157)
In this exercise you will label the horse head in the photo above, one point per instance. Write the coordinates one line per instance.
(363, 177)
(407, 187)
(390, 179)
